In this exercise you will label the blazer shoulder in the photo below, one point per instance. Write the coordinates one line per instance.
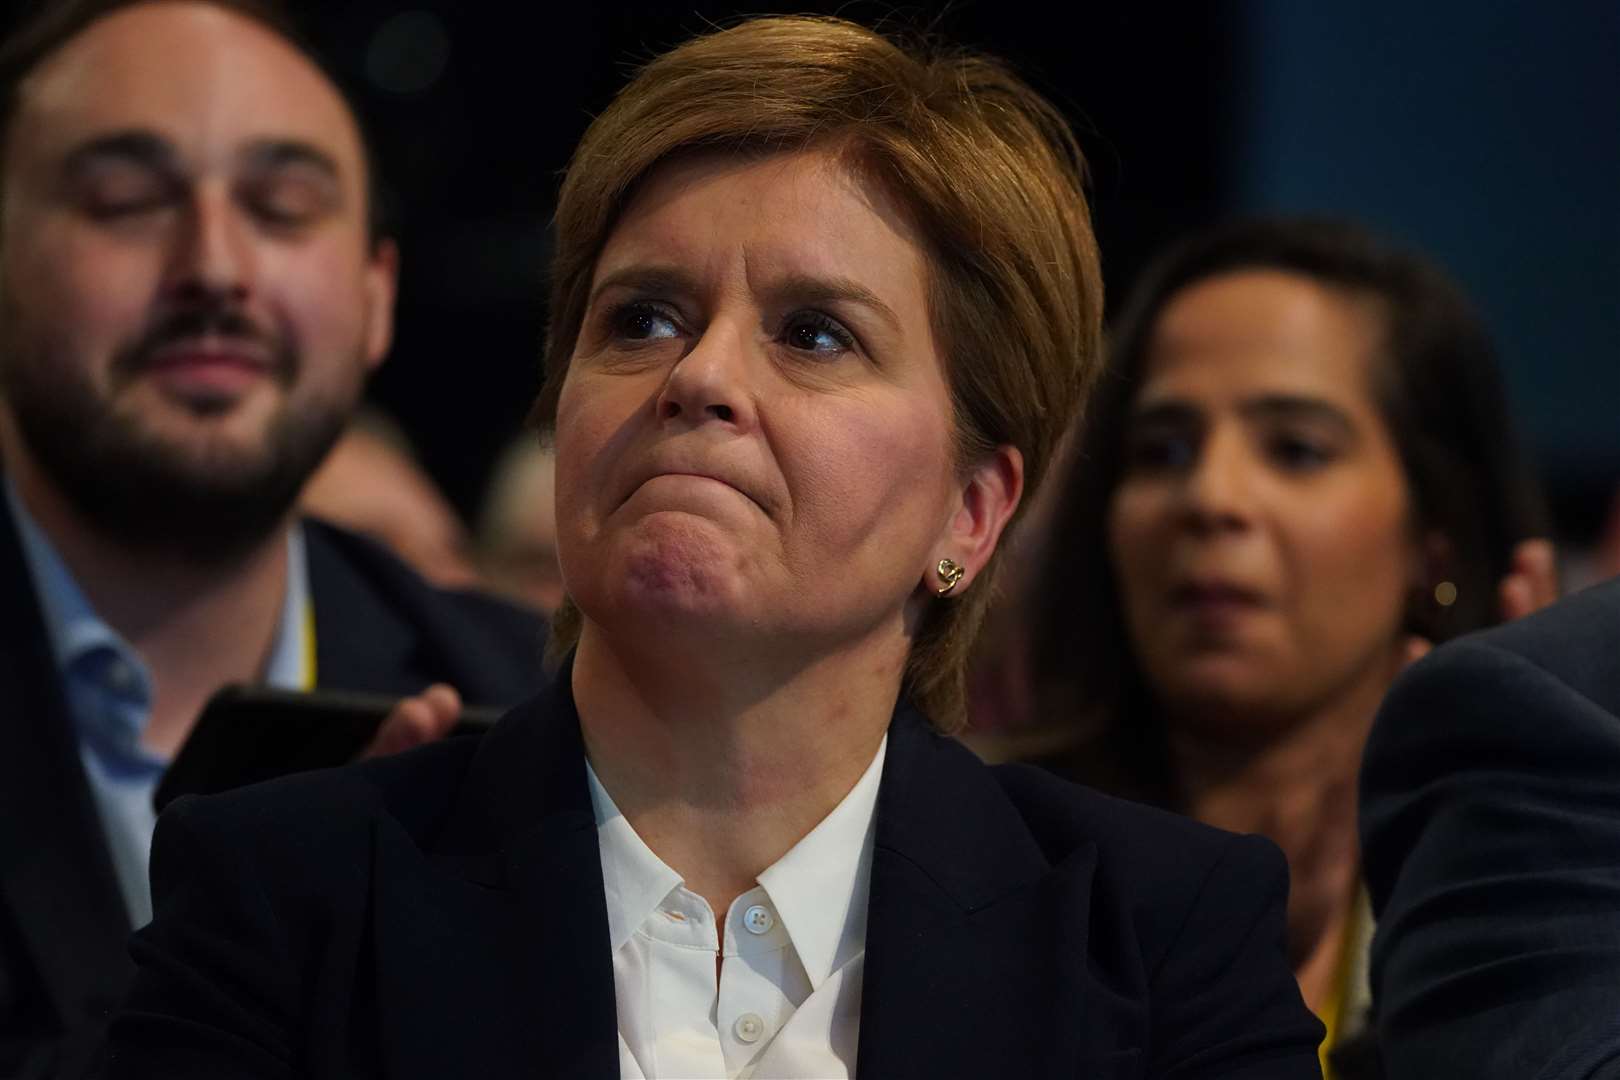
(382, 627)
(1560, 666)
(325, 813)
(1152, 855)
(1576, 641)
(1196, 913)
(1062, 814)
(366, 556)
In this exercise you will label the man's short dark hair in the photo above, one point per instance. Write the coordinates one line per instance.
(56, 22)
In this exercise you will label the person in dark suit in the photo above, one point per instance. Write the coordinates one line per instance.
(822, 307)
(193, 293)
(1491, 829)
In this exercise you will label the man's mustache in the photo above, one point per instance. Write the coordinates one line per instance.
(227, 325)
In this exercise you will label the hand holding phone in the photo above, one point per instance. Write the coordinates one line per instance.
(416, 721)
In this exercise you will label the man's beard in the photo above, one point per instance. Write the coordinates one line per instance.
(208, 505)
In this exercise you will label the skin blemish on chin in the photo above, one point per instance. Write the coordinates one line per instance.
(677, 561)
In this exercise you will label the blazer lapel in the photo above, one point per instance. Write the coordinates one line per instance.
(57, 883)
(975, 944)
(508, 937)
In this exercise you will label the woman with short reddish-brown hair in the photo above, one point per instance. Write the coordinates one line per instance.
(822, 307)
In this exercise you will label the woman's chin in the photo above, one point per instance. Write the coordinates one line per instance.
(672, 599)
(1227, 691)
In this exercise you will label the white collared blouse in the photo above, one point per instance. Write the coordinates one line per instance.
(788, 998)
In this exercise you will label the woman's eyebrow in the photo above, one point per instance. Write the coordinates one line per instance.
(1296, 407)
(647, 278)
(1164, 411)
(812, 289)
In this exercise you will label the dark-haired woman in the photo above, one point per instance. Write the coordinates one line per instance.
(1300, 471)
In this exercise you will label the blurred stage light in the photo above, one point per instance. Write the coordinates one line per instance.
(408, 53)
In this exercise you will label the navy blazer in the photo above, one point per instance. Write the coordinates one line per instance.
(1491, 832)
(441, 913)
(63, 963)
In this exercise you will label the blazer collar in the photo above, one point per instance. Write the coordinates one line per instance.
(969, 924)
(943, 812)
(974, 937)
(518, 901)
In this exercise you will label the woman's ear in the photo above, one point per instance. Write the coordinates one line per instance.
(1431, 588)
(1435, 558)
(989, 493)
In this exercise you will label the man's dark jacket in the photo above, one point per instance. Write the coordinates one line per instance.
(63, 928)
(1490, 807)
(441, 913)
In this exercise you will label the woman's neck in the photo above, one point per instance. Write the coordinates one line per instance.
(1297, 788)
(721, 768)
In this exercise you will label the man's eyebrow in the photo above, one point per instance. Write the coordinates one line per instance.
(271, 154)
(809, 289)
(142, 148)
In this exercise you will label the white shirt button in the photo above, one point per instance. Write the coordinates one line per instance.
(749, 1027)
(759, 920)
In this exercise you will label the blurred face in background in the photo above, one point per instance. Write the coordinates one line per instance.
(754, 440)
(1260, 535)
(518, 527)
(371, 483)
(189, 295)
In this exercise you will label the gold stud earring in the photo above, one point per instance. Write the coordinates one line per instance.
(950, 573)
(1445, 593)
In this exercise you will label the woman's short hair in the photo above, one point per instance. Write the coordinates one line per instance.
(989, 171)
(1438, 389)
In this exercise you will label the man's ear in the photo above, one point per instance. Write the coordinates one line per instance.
(381, 288)
(989, 494)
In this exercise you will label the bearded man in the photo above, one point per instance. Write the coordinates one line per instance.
(192, 295)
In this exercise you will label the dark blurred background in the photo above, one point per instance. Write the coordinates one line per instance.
(1487, 134)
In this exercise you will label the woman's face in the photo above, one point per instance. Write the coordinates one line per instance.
(1260, 534)
(754, 438)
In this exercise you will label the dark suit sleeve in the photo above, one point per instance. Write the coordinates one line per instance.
(214, 993)
(1491, 830)
(1225, 1002)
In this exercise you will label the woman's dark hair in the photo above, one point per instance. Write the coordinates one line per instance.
(1438, 389)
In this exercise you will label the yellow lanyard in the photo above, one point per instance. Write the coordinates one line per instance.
(309, 647)
(1332, 1015)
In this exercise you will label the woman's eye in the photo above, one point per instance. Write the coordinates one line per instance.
(1299, 454)
(816, 333)
(642, 321)
(1157, 451)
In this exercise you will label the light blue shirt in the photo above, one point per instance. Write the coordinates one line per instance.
(109, 694)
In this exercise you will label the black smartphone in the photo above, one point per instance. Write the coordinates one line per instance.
(252, 733)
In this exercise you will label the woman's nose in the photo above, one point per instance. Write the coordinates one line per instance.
(1219, 490)
(710, 384)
